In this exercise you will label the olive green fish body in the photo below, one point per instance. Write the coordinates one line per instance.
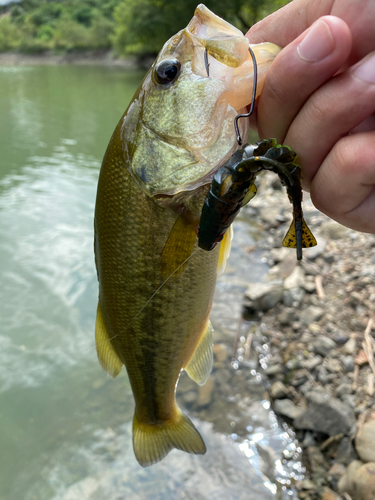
(153, 337)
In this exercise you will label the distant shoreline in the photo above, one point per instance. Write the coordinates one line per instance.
(76, 58)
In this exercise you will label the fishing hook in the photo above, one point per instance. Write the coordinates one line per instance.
(206, 62)
(255, 81)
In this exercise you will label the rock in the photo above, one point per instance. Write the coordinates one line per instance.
(347, 480)
(349, 347)
(273, 370)
(314, 328)
(308, 440)
(311, 314)
(323, 345)
(312, 363)
(313, 252)
(288, 408)
(345, 452)
(328, 494)
(295, 279)
(278, 390)
(335, 473)
(359, 481)
(309, 286)
(333, 365)
(262, 296)
(325, 414)
(365, 442)
(333, 230)
(364, 482)
(347, 363)
(293, 297)
(205, 392)
(344, 389)
(287, 316)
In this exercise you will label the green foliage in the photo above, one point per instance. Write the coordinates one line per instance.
(134, 33)
(9, 34)
(137, 27)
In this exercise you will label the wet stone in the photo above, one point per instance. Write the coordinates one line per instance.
(278, 390)
(287, 408)
(325, 414)
(323, 345)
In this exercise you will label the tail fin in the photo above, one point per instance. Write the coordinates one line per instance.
(152, 443)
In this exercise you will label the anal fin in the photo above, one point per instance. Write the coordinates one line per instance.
(108, 358)
(200, 365)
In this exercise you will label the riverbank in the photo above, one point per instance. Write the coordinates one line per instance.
(104, 58)
(313, 337)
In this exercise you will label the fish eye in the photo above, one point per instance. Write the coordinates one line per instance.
(167, 71)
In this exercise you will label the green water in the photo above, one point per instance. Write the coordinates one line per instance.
(65, 427)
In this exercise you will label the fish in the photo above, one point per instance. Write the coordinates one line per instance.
(155, 285)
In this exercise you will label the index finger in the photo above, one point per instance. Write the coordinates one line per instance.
(287, 23)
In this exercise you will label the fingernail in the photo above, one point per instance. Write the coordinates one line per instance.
(317, 44)
(366, 70)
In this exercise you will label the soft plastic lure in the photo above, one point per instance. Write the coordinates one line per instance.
(233, 186)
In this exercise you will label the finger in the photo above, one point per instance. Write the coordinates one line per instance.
(343, 187)
(286, 24)
(298, 71)
(344, 102)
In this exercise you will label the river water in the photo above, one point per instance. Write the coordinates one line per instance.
(65, 427)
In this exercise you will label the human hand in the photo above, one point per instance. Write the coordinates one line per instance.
(319, 99)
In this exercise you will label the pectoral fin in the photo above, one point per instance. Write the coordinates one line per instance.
(107, 356)
(200, 365)
(308, 239)
(178, 248)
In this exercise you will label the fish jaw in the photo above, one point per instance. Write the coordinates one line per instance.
(178, 134)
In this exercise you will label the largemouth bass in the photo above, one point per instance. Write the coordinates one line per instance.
(155, 285)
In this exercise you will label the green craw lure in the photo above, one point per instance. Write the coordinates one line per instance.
(233, 186)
